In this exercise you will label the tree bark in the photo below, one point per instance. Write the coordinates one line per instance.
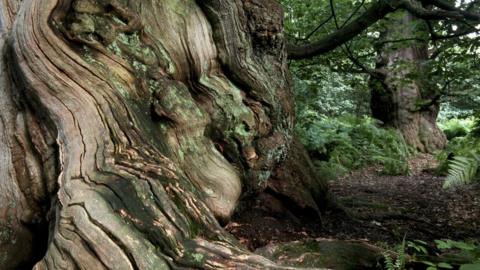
(129, 129)
(402, 97)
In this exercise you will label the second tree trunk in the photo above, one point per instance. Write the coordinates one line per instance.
(404, 98)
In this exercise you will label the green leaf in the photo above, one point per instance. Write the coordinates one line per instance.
(428, 263)
(470, 266)
(463, 245)
(462, 170)
(420, 242)
(445, 265)
(442, 244)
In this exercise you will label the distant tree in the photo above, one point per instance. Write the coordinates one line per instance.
(411, 77)
(403, 96)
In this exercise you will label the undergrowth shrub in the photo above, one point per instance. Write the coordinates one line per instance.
(457, 127)
(460, 161)
(344, 143)
(397, 263)
(448, 254)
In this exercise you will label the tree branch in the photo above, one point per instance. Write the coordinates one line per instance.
(372, 72)
(332, 7)
(353, 13)
(318, 27)
(373, 14)
(445, 11)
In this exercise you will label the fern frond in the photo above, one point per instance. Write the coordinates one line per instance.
(462, 170)
(389, 264)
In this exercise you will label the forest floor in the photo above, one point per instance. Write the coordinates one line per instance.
(379, 209)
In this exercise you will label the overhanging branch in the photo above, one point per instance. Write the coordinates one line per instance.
(373, 14)
(443, 11)
(376, 12)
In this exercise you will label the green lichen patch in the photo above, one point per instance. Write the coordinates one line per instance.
(6, 234)
(133, 47)
(197, 257)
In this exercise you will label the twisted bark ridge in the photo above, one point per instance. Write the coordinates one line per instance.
(400, 99)
(131, 127)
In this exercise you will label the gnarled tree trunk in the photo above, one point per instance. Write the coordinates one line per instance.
(130, 128)
(403, 98)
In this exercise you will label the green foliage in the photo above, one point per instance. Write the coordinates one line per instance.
(329, 93)
(455, 71)
(326, 83)
(476, 126)
(462, 170)
(451, 244)
(471, 251)
(456, 127)
(336, 83)
(400, 259)
(470, 266)
(418, 246)
(437, 266)
(460, 146)
(460, 160)
(348, 142)
(450, 111)
(418, 251)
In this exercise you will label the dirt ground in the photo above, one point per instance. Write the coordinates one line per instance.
(379, 209)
